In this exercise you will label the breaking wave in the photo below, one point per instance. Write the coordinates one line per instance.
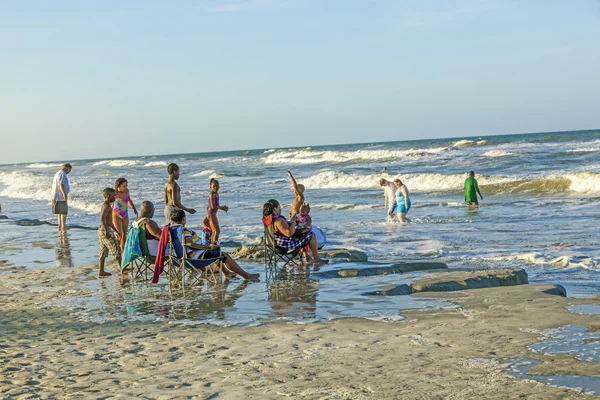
(580, 182)
(497, 153)
(43, 165)
(156, 164)
(116, 163)
(308, 156)
(18, 185)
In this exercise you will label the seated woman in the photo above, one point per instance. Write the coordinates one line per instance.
(283, 232)
(196, 250)
(152, 229)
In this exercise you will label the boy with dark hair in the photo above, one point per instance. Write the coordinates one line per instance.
(107, 232)
(173, 193)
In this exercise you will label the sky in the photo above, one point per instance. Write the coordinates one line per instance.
(104, 79)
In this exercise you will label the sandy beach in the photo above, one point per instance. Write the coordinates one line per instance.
(452, 353)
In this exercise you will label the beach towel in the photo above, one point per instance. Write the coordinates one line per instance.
(132, 246)
(159, 265)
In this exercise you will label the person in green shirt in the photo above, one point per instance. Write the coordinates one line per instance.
(471, 190)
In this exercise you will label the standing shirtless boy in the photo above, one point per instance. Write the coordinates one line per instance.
(107, 232)
(173, 194)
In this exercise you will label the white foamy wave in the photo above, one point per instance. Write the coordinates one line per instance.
(464, 143)
(584, 150)
(562, 261)
(417, 182)
(308, 156)
(270, 151)
(156, 164)
(496, 153)
(204, 173)
(329, 206)
(481, 142)
(87, 206)
(18, 185)
(43, 165)
(116, 163)
(584, 182)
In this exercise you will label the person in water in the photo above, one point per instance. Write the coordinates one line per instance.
(213, 207)
(120, 214)
(402, 200)
(107, 232)
(389, 199)
(299, 193)
(471, 190)
(173, 194)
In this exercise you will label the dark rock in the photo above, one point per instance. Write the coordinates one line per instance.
(373, 271)
(453, 281)
(557, 290)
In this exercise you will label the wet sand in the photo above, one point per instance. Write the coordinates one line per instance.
(455, 353)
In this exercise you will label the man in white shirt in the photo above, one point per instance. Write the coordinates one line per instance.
(389, 191)
(60, 193)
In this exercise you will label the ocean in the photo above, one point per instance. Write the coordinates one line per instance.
(540, 212)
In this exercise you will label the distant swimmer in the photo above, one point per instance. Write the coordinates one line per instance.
(173, 194)
(471, 190)
(403, 201)
(389, 201)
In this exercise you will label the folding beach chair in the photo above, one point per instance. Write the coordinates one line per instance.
(141, 263)
(182, 270)
(274, 253)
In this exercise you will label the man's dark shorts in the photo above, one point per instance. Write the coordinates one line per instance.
(60, 207)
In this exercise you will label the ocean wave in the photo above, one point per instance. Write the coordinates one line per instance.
(497, 153)
(204, 173)
(116, 163)
(580, 182)
(43, 165)
(584, 150)
(19, 185)
(308, 156)
(418, 182)
(560, 261)
(156, 164)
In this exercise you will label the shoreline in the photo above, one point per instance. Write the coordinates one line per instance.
(453, 353)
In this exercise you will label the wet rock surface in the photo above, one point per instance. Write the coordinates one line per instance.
(453, 281)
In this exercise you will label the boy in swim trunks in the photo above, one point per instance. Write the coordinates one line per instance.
(107, 232)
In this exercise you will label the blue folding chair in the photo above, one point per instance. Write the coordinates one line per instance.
(180, 268)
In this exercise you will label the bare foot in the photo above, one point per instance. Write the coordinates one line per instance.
(320, 261)
(103, 274)
(252, 277)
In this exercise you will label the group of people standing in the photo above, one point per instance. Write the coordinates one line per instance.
(297, 231)
(397, 200)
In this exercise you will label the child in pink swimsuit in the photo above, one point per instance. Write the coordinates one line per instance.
(213, 207)
(120, 215)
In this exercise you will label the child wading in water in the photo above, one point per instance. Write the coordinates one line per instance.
(299, 200)
(120, 215)
(213, 207)
(106, 232)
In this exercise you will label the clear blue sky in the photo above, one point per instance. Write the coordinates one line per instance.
(91, 79)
